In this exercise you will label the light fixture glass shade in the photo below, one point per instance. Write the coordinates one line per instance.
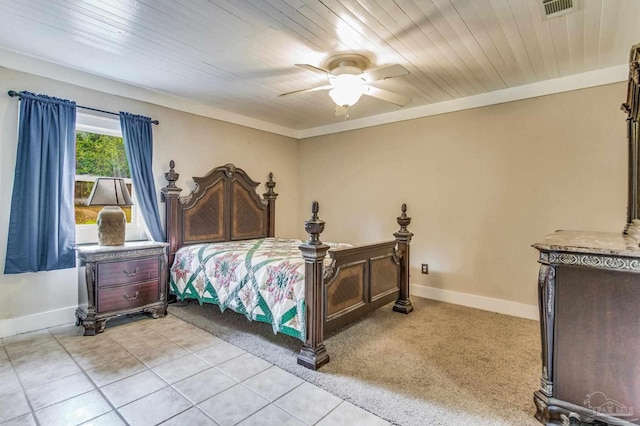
(110, 193)
(347, 89)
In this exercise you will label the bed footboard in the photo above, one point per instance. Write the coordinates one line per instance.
(357, 281)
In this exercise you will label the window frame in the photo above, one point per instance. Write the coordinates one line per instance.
(134, 231)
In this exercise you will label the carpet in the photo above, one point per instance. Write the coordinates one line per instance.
(442, 364)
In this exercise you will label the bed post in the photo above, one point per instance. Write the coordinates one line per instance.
(271, 196)
(313, 354)
(170, 195)
(403, 239)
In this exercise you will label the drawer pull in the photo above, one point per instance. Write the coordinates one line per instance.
(135, 296)
(131, 274)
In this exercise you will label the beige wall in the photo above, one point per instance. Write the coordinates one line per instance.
(481, 185)
(195, 143)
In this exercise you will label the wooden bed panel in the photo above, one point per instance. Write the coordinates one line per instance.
(248, 220)
(348, 290)
(204, 221)
(385, 275)
(360, 280)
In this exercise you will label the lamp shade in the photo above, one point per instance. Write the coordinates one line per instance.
(347, 89)
(109, 192)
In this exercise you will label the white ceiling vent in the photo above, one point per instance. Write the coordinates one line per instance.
(553, 8)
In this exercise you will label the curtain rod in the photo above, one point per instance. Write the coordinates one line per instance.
(15, 94)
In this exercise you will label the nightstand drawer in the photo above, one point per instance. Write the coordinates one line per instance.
(130, 296)
(126, 272)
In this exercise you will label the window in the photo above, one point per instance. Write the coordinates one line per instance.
(97, 155)
(100, 153)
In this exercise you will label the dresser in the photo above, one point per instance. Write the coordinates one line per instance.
(119, 280)
(589, 301)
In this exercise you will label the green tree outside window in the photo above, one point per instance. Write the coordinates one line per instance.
(97, 155)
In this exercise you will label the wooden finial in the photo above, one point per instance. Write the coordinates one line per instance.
(270, 184)
(171, 175)
(314, 226)
(230, 169)
(403, 219)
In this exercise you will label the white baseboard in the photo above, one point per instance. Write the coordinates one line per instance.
(39, 321)
(500, 306)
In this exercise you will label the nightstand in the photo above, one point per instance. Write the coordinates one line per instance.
(120, 280)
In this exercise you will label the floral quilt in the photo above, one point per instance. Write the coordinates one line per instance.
(262, 279)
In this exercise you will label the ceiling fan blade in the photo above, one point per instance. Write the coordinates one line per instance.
(312, 68)
(390, 71)
(387, 96)
(311, 89)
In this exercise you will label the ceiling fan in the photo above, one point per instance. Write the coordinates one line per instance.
(349, 79)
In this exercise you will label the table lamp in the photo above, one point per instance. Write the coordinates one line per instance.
(110, 193)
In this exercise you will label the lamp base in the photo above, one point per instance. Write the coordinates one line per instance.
(111, 224)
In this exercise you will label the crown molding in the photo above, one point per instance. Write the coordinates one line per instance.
(42, 68)
(32, 65)
(547, 87)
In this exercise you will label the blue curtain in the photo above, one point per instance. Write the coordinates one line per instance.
(42, 226)
(138, 145)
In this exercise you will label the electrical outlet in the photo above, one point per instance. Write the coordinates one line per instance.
(425, 268)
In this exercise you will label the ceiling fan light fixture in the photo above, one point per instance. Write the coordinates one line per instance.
(347, 89)
(350, 77)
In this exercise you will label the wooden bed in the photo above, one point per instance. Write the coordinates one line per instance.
(225, 207)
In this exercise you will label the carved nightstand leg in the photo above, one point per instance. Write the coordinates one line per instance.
(153, 312)
(87, 321)
(89, 327)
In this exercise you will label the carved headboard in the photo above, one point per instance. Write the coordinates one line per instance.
(223, 207)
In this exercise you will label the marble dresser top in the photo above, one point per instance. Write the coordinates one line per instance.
(607, 243)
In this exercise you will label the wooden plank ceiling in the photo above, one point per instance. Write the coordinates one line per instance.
(239, 56)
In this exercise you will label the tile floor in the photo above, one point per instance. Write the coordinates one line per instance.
(146, 372)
